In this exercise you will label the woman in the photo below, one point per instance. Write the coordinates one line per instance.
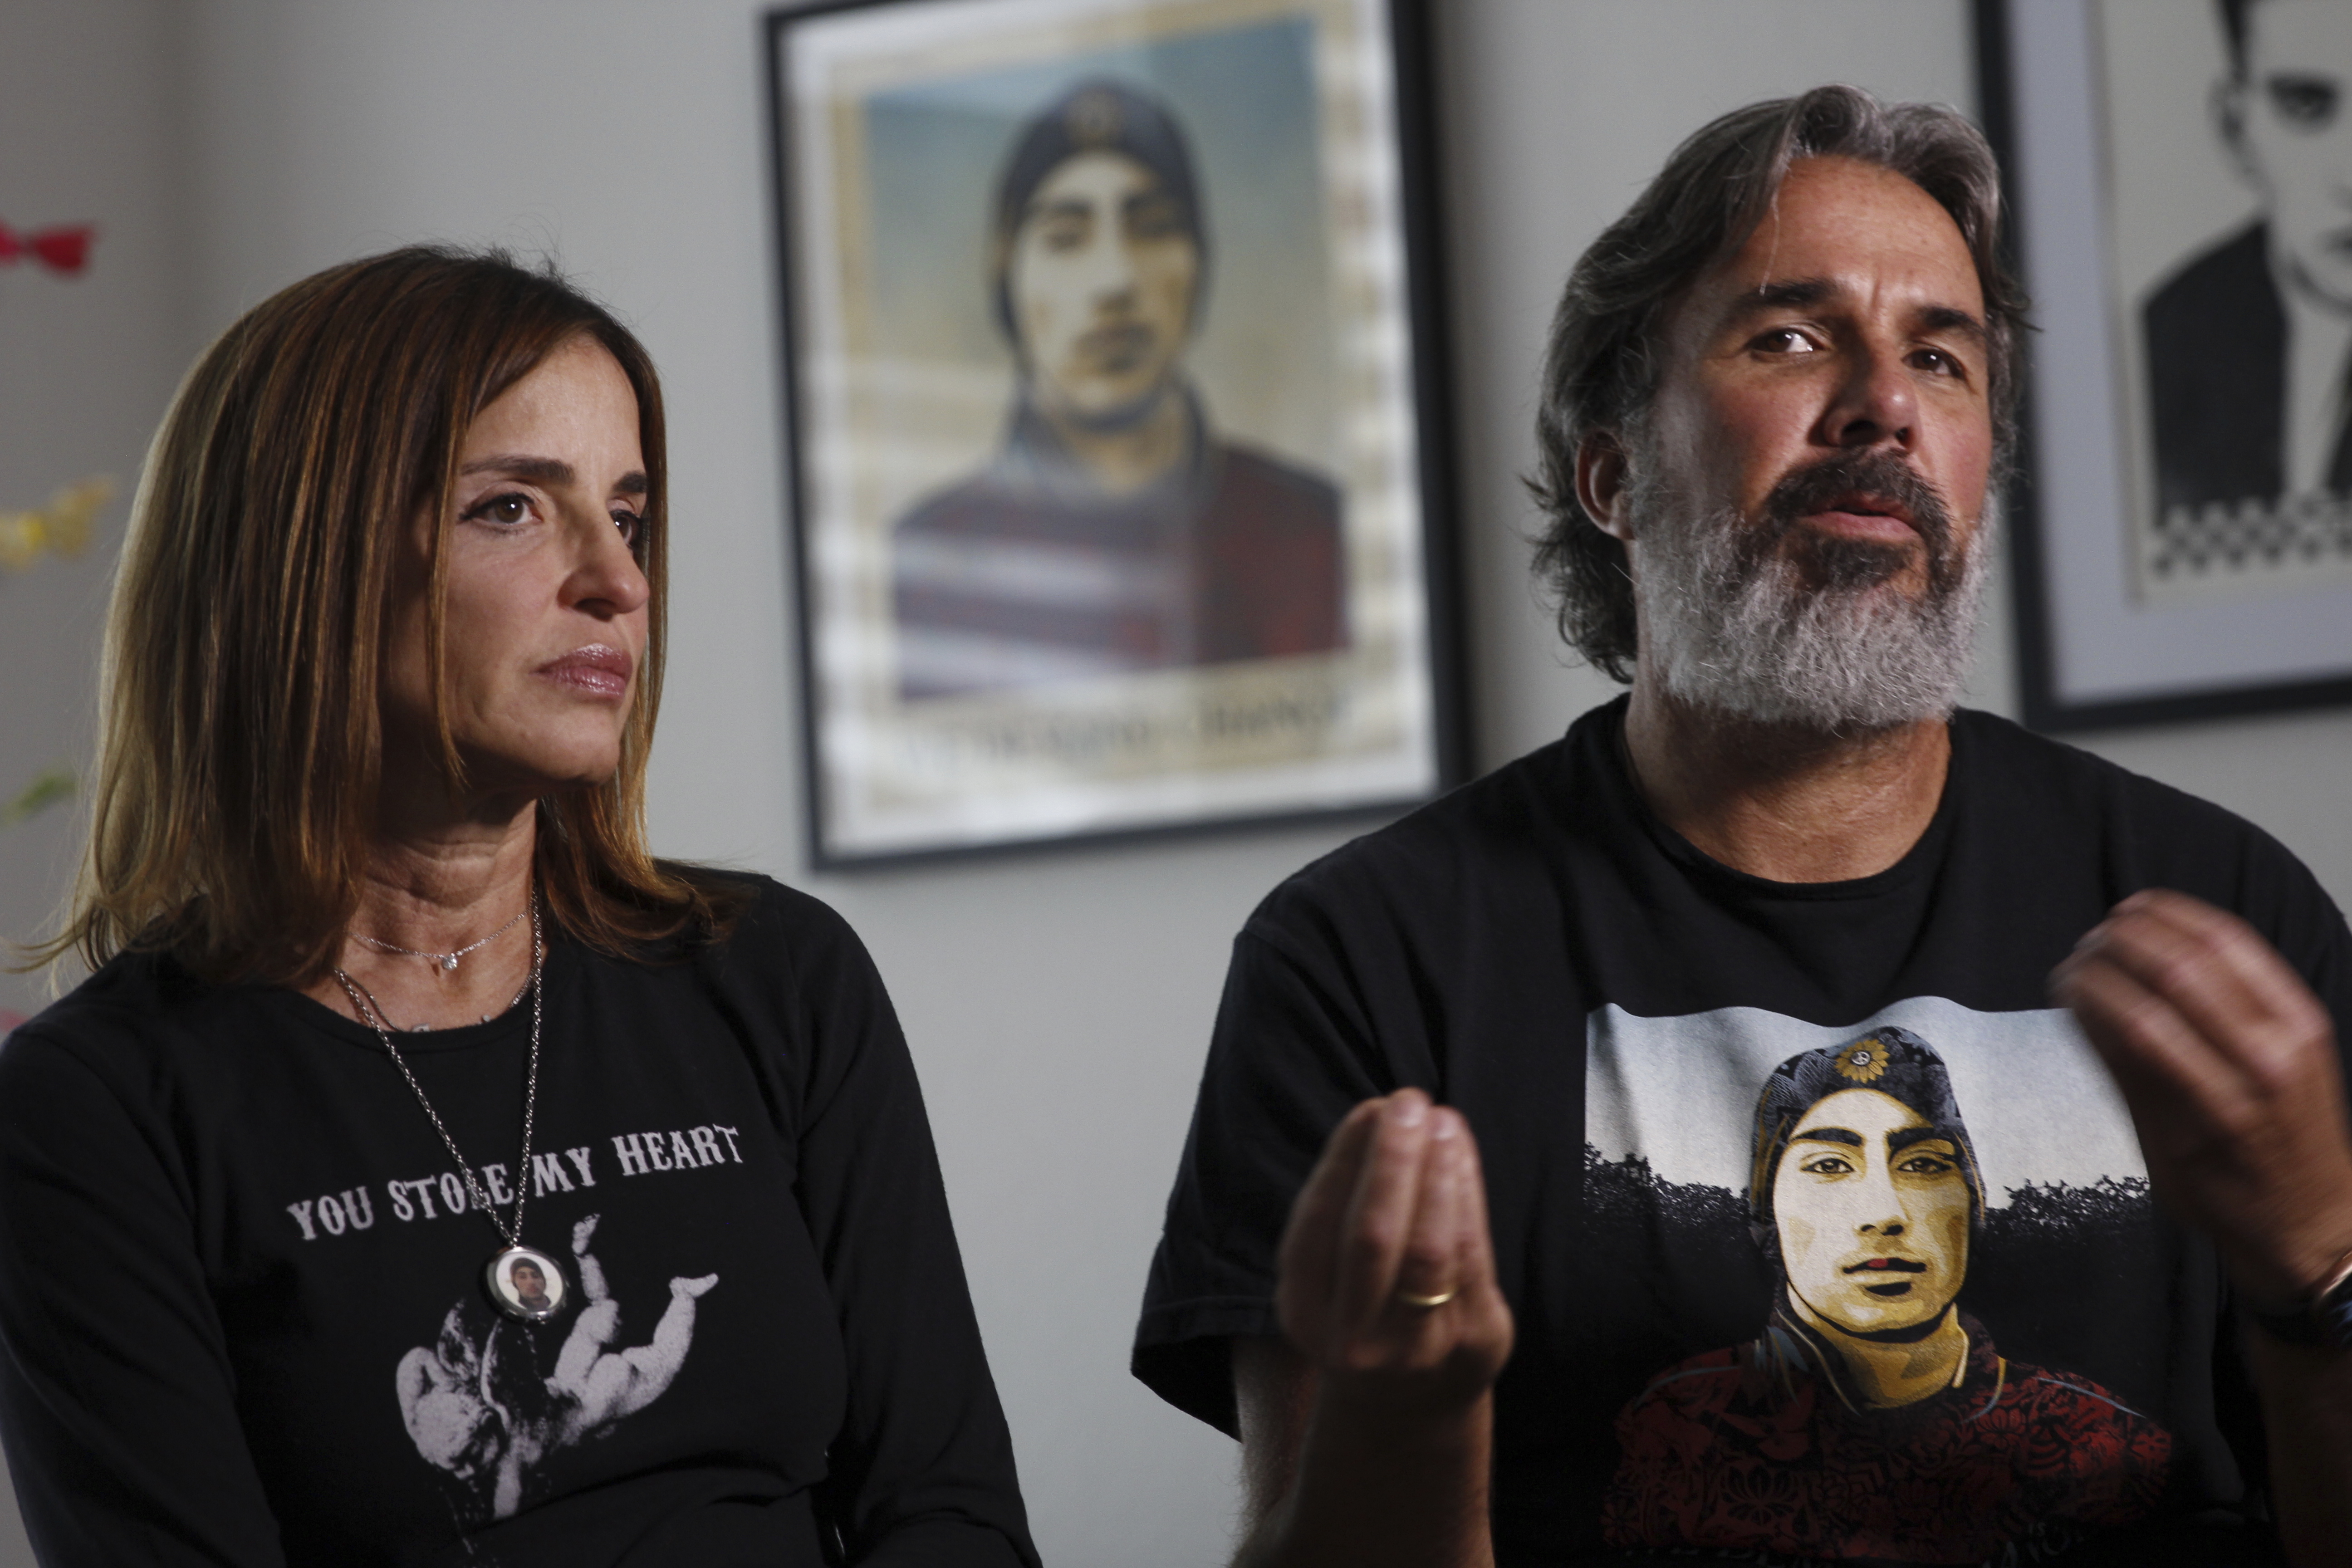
(394, 1015)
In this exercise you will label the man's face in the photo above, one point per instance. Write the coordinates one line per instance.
(529, 1283)
(1802, 501)
(2292, 115)
(1102, 276)
(1851, 324)
(1873, 1212)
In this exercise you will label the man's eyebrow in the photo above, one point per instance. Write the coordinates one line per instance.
(1902, 1138)
(1952, 319)
(1802, 293)
(1829, 1135)
(1785, 294)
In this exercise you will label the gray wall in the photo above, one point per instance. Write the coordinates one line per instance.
(1058, 1003)
(86, 366)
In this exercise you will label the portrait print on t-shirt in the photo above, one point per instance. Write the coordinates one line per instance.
(481, 1405)
(1885, 1258)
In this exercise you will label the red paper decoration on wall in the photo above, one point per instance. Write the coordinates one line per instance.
(64, 249)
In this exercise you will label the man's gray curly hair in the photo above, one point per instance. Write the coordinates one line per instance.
(1601, 368)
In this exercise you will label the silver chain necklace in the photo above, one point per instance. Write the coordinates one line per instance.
(523, 1282)
(448, 961)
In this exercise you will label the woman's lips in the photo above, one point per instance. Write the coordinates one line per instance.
(595, 670)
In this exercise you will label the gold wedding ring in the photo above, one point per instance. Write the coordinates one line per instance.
(1426, 1303)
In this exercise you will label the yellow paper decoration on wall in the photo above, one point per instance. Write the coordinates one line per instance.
(62, 528)
(48, 789)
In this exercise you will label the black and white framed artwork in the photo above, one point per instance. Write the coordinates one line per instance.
(2177, 171)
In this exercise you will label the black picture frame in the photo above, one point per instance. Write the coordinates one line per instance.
(1195, 709)
(2142, 596)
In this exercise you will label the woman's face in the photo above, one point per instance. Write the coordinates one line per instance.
(1873, 1214)
(546, 611)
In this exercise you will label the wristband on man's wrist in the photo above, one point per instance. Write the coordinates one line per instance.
(2323, 1319)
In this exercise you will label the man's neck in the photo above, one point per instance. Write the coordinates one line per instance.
(1885, 1374)
(2318, 342)
(1125, 457)
(1782, 803)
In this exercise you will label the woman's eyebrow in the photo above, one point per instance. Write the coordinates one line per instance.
(1829, 1135)
(537, 470)
(552, 472)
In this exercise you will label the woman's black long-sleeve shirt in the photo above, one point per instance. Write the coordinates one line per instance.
(240, 1293)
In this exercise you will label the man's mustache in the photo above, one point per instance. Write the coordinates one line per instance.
(1818, 486)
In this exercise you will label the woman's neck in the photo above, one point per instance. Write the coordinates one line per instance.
(436, 884)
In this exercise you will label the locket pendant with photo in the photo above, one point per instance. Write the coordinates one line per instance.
(522, 1282)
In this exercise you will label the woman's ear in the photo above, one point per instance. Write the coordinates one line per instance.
(1600, 482)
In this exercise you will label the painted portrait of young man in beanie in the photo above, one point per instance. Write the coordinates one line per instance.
(1114, 531)
(1873, 1417)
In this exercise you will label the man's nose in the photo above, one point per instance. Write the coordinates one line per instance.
(1111, 271)
(1876, 402)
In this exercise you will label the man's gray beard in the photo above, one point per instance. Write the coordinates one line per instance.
(1748, 637)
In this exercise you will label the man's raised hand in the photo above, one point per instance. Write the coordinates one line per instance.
(1387, 1283)
(2229, 1064)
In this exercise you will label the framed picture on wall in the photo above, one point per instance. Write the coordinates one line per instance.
(1118, 443)
(2184, 505)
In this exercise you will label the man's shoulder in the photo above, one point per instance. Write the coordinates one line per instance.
(1487, 843)
(977, 504)
(1263, 480)
(2151, 833)
(2218, 287)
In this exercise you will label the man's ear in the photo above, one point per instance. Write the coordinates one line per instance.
(1600, 465)
(2232, 97)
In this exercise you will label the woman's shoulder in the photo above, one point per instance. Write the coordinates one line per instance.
(751, 909)
(123, 1027)
(765, 930)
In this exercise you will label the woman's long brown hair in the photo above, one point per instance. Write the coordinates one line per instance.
(240, 742)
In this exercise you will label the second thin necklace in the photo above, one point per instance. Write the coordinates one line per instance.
(522, 1282)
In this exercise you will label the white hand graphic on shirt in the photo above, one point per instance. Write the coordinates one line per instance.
(477, 1412)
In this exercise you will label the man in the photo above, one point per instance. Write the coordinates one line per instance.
(2250, 345)
(1114, 533)
(1921, 1441)
(530, 1287)
(1777, 393)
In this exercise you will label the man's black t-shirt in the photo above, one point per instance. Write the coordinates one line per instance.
(241, 1299)
(1633, 1032)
